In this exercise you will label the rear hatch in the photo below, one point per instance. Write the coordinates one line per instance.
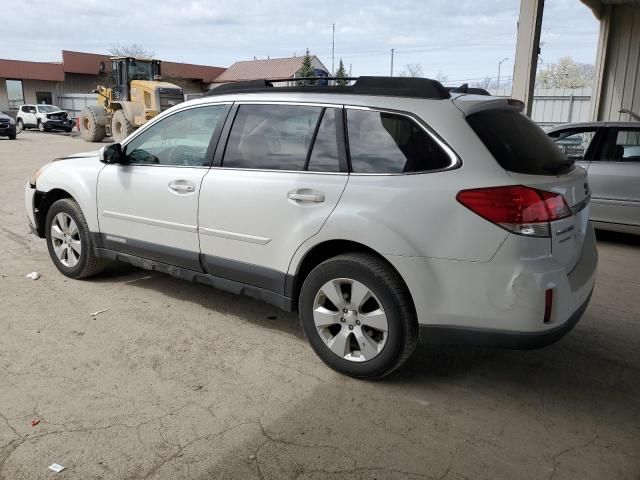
(533, 160)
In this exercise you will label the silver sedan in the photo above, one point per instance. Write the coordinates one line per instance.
(610, 151)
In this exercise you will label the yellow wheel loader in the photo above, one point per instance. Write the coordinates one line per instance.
(134, 96)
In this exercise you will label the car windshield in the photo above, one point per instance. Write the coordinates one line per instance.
(47, 108)
(139, 70)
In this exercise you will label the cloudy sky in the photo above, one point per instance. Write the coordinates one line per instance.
(463, 39)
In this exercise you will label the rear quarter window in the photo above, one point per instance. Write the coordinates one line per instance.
(383, 142)
(518, 144)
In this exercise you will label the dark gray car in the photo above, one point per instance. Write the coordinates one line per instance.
(610, 151)
(7, 126)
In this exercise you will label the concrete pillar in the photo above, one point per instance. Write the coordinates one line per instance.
(604, 15)
(527, 50)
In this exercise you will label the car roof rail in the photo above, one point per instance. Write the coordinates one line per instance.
(382, 86)
(465, 88)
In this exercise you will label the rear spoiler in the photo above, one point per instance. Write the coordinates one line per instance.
(470, 104)
(465, 88)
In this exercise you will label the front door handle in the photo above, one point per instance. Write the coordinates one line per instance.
(182, 186)
(317, 197)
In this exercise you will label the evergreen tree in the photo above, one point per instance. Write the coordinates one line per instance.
(306, 70)
(341, 74)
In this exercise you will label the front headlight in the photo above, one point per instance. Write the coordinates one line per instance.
(34, 177)
(11, 121)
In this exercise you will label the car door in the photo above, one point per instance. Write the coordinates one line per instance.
(148, 206)
(281, 173)
(29, 115)
(614, 176)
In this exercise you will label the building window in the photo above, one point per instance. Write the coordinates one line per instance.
(15, 94)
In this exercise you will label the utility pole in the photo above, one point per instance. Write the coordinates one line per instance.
(499, 65)
(392, 62)
(349, 69)
(333, 49)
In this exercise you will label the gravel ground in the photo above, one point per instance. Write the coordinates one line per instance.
(178, 380)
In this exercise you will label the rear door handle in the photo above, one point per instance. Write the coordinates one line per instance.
(182, 187)
(307, 197)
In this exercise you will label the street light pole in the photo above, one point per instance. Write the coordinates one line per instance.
(333, 49)
(392, 62)
(499, 65)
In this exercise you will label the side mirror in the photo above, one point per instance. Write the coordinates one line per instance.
(111, 154)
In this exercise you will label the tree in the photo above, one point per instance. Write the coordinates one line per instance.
(306, 70)
(442, 77)
(134, 50)
(341, 73)
(565, 74)
(412, 70)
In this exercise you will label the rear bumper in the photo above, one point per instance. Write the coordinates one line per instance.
(442, 335)
(500, 302)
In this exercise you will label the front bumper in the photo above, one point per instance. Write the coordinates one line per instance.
(58, 124)
(501, 302)
(10, 131)
(29, 195)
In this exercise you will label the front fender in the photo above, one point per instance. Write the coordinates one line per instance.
(78, 177)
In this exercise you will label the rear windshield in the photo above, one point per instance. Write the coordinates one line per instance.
(518, 144)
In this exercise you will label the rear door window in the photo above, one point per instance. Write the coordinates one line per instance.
(324, 155)
(285, 137)
(271, 137)
(518, 144)
(574, 143)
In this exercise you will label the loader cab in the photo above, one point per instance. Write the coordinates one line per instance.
(126, 69)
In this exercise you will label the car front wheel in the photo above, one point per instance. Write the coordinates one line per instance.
(358, 316)
(69, 241)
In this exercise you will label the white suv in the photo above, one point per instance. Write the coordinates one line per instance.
(386, 213)
(43, 117)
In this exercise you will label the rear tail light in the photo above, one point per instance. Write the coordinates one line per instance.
(518, 209)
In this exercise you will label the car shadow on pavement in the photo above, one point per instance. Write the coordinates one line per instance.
(618, 237)
(255, 311)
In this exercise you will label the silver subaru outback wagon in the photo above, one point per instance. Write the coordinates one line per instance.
(386, 213)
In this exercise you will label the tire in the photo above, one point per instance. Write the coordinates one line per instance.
(41, 126)
(87, 264)
(91, 123)
(121, 127)
(387, 296)
(12, 137)
(20, 124)
(68, 130)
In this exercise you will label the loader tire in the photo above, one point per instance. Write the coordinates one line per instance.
(92, 121)
(121, 127)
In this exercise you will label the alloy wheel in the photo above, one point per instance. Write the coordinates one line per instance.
(350, 319)
(65, 238)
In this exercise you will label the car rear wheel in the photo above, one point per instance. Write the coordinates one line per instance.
(41, 126)
(358, 316)
(69, 241)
